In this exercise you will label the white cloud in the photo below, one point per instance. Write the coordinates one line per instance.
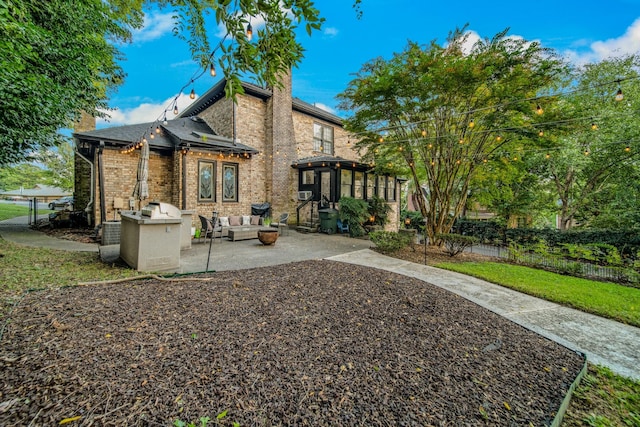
(471, 40)
(155, 26)
(628, 43)
(143, 113)
(330, 31)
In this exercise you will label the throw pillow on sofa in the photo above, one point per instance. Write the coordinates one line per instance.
(255, 220)
(246, 220)
(235, 221)
(224, 221)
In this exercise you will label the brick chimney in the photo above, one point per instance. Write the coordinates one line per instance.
(280, 148)
(86, 123)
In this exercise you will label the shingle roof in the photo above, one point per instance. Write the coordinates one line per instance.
(176, 134)
(40, 190)
(217, 92)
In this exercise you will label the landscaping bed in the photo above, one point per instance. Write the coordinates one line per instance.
(308, 343)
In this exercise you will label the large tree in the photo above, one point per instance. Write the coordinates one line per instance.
(599, 153)
(444, 112)
(59, 57)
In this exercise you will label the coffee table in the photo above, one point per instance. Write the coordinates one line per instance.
(243, 233)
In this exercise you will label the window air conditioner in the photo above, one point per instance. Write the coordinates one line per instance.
(304, 195)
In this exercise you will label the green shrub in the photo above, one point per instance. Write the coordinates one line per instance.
(416, 220)
(354, 212)
(455, 244)
(390, 241)
(379, 209)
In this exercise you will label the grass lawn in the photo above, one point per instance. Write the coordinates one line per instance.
(8, 211)
(604, 299)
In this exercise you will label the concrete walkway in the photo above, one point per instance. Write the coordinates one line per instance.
(605, 342)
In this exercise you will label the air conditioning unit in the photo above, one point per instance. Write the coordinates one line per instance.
(304, 195)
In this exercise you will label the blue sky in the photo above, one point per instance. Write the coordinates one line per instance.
(158, 64)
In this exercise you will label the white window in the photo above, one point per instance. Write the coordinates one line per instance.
(358, 189)
(345, 183)
(323, 138)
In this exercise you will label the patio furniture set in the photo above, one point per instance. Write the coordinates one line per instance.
(240, 227)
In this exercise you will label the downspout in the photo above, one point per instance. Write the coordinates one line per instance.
(184, 180)
(103, 203)
(87, 210)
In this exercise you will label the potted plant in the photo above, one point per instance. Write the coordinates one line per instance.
(267, 235)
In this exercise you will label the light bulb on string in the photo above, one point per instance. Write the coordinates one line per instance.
(472, 124)
(164, 120)
(192, 95)
(175, 109)
(499, 138)
(249, 31)
(627, 149)
(540, 132)
(424, 132)
(547, 156)
(619, 96)
(158, 129)
(594, 126)
(539, 110)
(212, 70)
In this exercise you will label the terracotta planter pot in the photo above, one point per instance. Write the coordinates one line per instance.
(268, 237)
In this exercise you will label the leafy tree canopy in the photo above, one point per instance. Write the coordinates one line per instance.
(444, 111)
(59, 58)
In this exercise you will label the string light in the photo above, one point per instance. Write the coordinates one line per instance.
(619, 95)
(175, 110)
(471, 124)
(627, 149)
(539, 110)
(499, 138)
(540, 132)
(594, 126)
(192, 95)
(212, 70)
(158, 129)
(249, 31)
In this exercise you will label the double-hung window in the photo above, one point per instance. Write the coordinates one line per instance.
(323, 138)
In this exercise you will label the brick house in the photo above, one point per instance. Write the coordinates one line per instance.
(217, 155)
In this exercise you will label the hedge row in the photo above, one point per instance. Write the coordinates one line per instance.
(626, 241)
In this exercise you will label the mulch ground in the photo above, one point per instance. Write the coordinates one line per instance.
(312, 343)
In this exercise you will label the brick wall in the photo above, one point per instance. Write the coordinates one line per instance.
(120, 171)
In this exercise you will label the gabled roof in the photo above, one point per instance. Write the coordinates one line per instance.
(216, 93)
(176, 134)
(40, 190)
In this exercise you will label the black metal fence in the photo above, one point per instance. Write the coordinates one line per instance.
(624, 275)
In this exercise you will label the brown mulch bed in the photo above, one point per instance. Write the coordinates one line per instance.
(309, 343)
(77, 234)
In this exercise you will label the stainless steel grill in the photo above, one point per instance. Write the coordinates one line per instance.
(159, 210)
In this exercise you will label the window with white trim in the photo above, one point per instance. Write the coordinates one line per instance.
(323, 138)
